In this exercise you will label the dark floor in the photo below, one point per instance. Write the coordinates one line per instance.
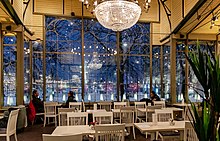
(34, 133)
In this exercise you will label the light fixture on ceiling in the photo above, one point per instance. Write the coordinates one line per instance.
(117, 14)
(215, 21)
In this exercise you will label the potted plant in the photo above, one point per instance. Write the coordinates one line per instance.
(206, 68)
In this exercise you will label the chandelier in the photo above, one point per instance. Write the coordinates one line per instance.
(117, 14)
(95, 63)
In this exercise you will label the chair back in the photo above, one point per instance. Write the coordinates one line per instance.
(150, 110)
(118, 105)
(103, 117)
(50, 108)
(76, 105)
(140, 105)
(49, 137)
(77, 118)
(111, 132)
(164, 115)
(127, 115)
(12, 122)
(189, 132)
(105, 105)
(62, 115)
(160, 103)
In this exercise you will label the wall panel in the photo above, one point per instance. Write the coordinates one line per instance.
(18, 6)
(176, 13)
(48, 6)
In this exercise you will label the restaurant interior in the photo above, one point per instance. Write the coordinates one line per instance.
(109, 70)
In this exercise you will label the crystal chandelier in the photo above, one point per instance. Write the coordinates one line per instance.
(117, 14)
(95, 63)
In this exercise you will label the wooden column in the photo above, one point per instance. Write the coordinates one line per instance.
(1, 70)
(173, 70)
(44, 62)
(186, 97)
(151, 55)
(20, 69)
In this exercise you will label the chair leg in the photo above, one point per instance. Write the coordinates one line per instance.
(16, 139)
(7, 138)
(55, 121)
(45, 120)
(134, 132)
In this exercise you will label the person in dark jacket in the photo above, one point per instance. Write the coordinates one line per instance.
(71, 98)
(154, 96)
(38, 104)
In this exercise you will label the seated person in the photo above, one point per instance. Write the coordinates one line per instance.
(38, 104)
(71, 98)
(154, 97)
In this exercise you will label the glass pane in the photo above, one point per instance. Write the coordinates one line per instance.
(156, 82)
(9, 69)
(166, 72)
(180, 72)
(100, 62)
(135, 62)
(37, 59)
(63, 58)
(26, 72)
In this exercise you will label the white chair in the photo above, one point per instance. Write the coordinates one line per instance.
(49, 137)
(150, 110)
(139, 115)
(164, 116)
(105, 105)
(62, 115)
(118, 105)
(103, 117)
(77, 105)
(77, 118)
(189, 132)
(11, 126)
(127, 117)
(50, 112)
(160, 103)
(113, 132)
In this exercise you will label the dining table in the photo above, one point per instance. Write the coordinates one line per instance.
(152, 127)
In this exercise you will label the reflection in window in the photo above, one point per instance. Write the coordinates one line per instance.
(9, 70)
(100, 62)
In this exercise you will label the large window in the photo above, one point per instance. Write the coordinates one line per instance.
(9, 69)
(135, 62)
(63, 58)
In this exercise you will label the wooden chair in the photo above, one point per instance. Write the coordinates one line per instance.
(77, 118)
(127, 117)
(105, 105)
(77, 105)
(103, 117)
(11, 126)
(165, 116)
(49, 137)
(50, 112)
(150, 110)
(62, 115)
(118, 105)
(139, 115)
(189, 132)
(160, 103)
(111, 132)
